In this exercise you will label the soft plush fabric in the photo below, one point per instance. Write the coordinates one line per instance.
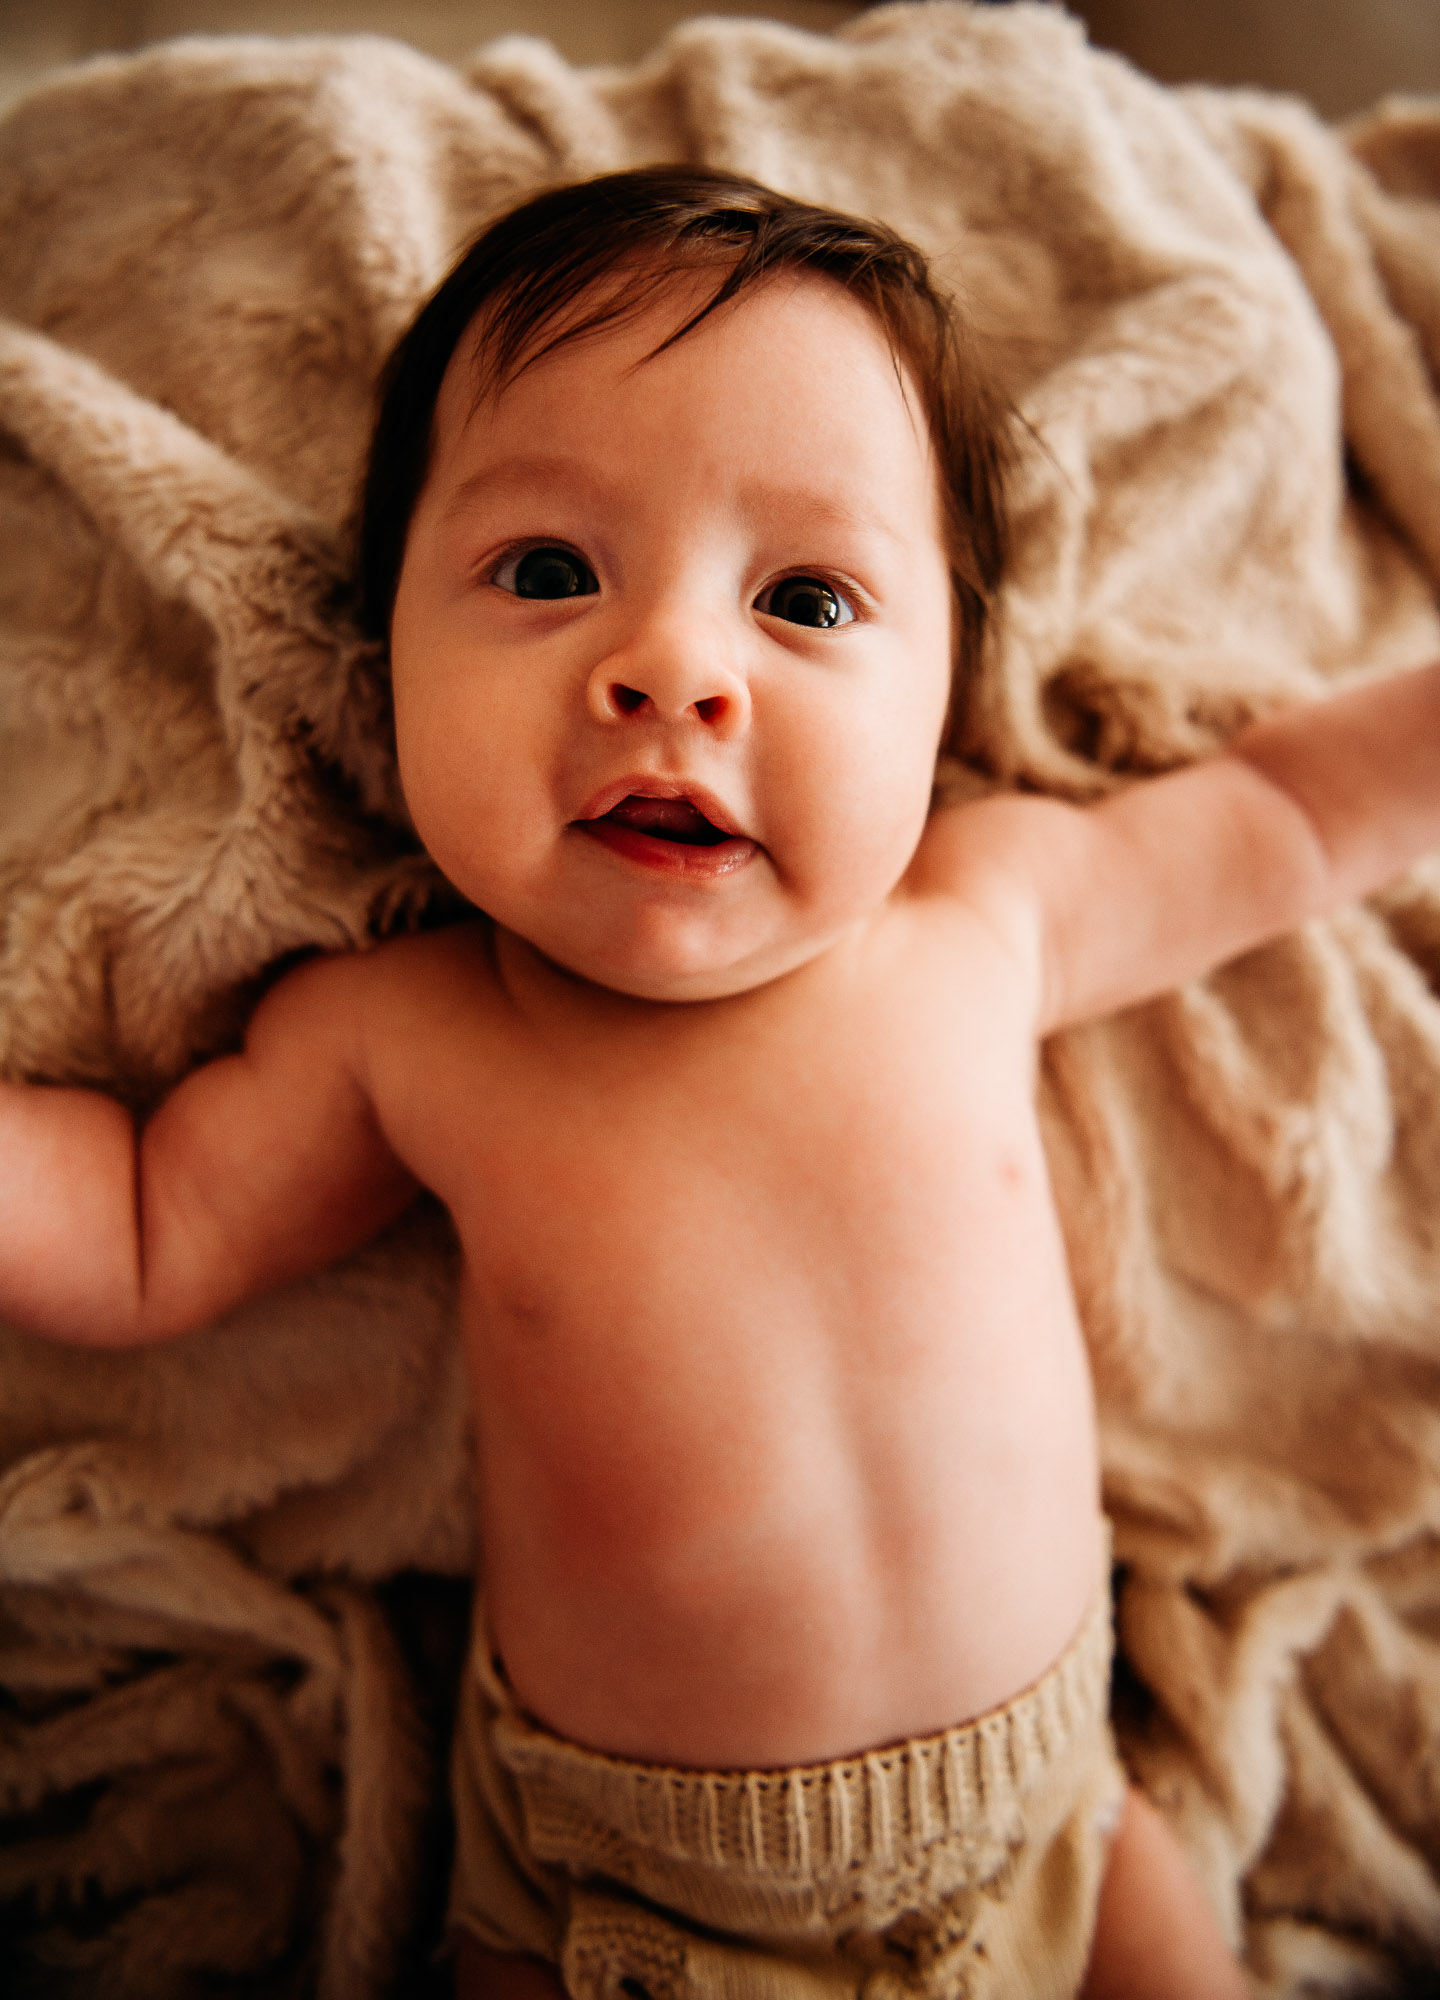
(1223, 324)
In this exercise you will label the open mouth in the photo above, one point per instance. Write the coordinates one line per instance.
(669, 833)
(667, 819)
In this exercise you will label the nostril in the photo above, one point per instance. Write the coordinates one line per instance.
(712, 708)
(626, 699)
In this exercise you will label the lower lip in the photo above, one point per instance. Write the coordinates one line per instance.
(670, 857)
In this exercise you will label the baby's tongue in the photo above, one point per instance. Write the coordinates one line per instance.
(667, 819)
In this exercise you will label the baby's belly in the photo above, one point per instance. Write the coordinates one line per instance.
(745, 1518)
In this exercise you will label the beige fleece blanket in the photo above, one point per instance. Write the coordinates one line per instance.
(1224, 322)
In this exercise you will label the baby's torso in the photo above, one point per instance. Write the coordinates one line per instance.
(785, 1442)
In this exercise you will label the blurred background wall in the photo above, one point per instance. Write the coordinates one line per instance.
(1341, 54)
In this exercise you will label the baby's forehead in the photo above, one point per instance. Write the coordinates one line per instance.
(787, 406)
(652, 308)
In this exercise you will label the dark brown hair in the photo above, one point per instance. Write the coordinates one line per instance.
(537, 279)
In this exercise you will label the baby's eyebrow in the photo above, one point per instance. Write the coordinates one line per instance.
(813, 508)
(804, 509)
(526, 473)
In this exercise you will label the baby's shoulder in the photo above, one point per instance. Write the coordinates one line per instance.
(402, 991)
(429, 1023)
(463, 950)
(422, 977)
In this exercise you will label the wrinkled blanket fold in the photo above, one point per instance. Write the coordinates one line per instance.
(1222, 322)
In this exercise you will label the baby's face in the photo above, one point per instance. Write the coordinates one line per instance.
(672, 641)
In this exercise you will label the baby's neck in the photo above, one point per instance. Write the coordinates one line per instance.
(544, 990)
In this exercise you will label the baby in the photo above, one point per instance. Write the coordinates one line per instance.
(790, 1675)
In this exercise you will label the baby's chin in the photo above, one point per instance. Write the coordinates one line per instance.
(672, 979)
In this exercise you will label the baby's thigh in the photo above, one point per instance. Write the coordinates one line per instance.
(490, 1975)
(1156, 1936)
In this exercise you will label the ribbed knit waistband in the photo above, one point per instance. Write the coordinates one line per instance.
(813, 1821)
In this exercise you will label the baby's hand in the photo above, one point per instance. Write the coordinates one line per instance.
(256, 1169)
(1111, 904)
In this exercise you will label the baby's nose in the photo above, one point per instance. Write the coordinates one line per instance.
(671, 680)
(715, 709)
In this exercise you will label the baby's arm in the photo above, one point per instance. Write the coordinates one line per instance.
(256, 1169)
(1113, 903)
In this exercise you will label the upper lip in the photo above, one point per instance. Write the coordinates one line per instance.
(640, 785)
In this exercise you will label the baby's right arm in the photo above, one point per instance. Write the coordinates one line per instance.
(256, 1169)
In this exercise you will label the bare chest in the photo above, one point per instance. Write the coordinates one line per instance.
(860, 1176)
(769, 1326)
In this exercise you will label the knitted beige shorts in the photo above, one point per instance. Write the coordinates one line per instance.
(965, 1865)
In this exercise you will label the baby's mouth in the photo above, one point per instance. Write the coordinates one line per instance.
(667, 819)
(671, 834)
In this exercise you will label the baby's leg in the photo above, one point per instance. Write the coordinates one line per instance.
(1156, 1937)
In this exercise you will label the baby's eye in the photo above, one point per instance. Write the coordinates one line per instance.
(545, 572)
(805, 600)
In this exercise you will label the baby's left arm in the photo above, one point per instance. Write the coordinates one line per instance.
(1113, 903)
